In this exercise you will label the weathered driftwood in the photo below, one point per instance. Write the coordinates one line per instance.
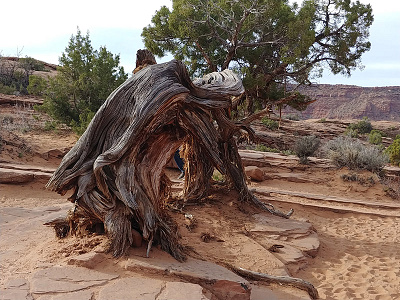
(284, 280)
(116, 169)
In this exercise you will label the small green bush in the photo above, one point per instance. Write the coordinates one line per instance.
(305, 147)
(362, 127)
(270, 124)
(8, 90)
(347, 152)
(84, 119)
(37, 85)
(292, 117)
(288, 152)
(263, 148)
(353, 133)
(30, 63)
(323, 120)
(393, 151)
(375, 137)
(50, 126)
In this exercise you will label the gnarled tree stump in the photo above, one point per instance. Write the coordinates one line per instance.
(116, 169)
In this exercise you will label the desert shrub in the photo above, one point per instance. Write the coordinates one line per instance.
(348, 152)
(293, 117)
(288, 152)
(263, 148)
(353, 133)
(8, 90)
(84, 120)
(305, 147)
(361, 127)
(363, 180)
(50, 125)
(375, 137)
(29, 63)
(37, 85)
(6, 120)
(270, 124)
(323, 120)
(392, 187)
(393, 151)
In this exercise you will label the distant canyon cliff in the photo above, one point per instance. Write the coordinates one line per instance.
(351, 102)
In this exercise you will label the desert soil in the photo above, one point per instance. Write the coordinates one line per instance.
(357, 225)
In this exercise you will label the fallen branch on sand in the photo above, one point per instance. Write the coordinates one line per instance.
(296, 282)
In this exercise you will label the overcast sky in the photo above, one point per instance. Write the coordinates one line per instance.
(41, 29)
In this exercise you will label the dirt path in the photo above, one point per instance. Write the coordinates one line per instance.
(359, 254)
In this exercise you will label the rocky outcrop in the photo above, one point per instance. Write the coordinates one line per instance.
(352, 102)
(17, 173)
(255, 173)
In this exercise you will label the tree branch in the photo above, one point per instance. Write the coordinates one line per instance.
(296, 282)
(206, 57)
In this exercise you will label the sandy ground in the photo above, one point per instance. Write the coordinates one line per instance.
(359, 256)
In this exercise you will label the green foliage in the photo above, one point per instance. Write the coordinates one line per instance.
(347, 152)
(288, 152)
(270, 124)
(375, 137)
(8, 90)
(217, 176)
(305, 147)
(31, 64)
(84, 120)
(263, 148)
(37, 85)
(353, 133)
(323, 120)
(361, 127)
(50, 126)
(292, 117)
(394, 151)
(14, 74)
(84, 81)
(269, 42)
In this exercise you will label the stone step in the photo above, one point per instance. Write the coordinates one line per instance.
(336, 204)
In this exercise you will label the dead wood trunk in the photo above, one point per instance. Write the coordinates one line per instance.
(116, 169)
(286, 280)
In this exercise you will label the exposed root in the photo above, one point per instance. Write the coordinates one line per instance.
(296, 282)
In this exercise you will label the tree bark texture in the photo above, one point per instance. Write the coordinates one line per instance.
(116, 169)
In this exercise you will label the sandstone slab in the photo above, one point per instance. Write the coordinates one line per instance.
(144, 288)
(291, 241)
(132, 288)
(182, 291)
(87, 260)
(16, 289)
(15, 176)
(79, 295)
(193, 270)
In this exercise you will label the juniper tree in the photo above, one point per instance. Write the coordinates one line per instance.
(270, 42)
